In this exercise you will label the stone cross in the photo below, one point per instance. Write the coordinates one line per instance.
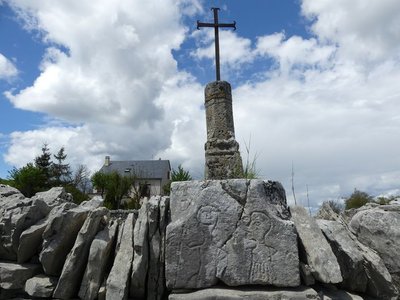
(223, 159)
(216, 26)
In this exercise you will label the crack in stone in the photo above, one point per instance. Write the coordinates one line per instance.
(242, 203)
(231, 192)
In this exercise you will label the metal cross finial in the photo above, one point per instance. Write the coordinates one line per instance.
(216, 26)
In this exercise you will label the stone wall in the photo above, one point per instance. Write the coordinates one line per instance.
(219, 239)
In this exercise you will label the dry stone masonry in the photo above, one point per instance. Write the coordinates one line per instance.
(222, 151)
(227, 239)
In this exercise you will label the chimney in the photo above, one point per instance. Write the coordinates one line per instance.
(107, 161)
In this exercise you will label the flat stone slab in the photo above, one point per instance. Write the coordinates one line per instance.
(13, 276)
(117, 286)
(41, 286)
(379, 229)
(236, 231)
(75, 264)
(320, 257)
(59, 237)
(99, 256)
(299, 293)
(362, 269)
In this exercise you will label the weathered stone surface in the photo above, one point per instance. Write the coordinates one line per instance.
(306, 275)
(221, 149)
(18, 213)
(330, 292)
(13, 276)
(236, 231)
(98, 260)
(31, 239)
(8, 193)
(300, 293)
(159, 291)
(348, 253)
(93, 203)
(379, 229)
(54, 196)
(156, 238)
(117, 286)
(102, 293)
(141, 252)
(16, 217)
(40, 286)
(59, 238)
(362, 269)
(319, 254)
(326, 212)
(75, 264)
(395, 202)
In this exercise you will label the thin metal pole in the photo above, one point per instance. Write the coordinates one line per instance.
(216, 43)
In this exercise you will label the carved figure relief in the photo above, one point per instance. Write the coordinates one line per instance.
(261, 255)
(195, 237)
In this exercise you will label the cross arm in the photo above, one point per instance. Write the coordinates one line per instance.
(233, 25)
(200, 24)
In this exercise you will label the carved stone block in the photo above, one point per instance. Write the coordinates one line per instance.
(236, 231)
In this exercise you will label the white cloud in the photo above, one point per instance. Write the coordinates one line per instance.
(295, 52)
(109, 81)
(235, 50)
(7, 68)
(117, 61)
(367, 31)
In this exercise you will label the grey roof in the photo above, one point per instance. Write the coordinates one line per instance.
(145, 169)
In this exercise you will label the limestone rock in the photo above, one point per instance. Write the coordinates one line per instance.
(40, 286)
(59, 238)
(31, 239)
(74, 267)
(117, 286)
(16, 217)
(326, 212)
(395, 202)
(306, 274)
(98, 260)
(141, 252)
(54, 196)
(102, 293)
(18, 213)
(216, 293)
(362, 269)
(379, 229)
(319, 254)
(13, 276)
(8, 193)
(235, 231)
(330, 292)
(348, 253)
(156, 237)
(93, 203)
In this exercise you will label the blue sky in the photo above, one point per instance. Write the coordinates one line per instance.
(314, 83)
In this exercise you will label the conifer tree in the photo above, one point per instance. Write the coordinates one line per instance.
(61, 170)
(43, 162)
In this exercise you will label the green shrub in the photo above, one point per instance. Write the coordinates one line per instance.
(358, 199)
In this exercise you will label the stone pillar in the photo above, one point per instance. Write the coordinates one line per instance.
(223, 159)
